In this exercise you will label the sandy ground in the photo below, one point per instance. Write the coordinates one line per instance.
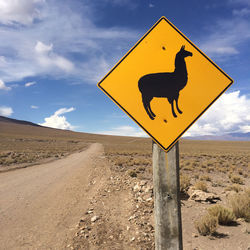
(85, 202)
(40, 205)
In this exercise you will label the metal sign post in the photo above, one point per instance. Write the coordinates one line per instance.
(168, 229)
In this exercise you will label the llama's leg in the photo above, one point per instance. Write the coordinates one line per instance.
(172, 106)
(146, 105)
(178, 106)
(150, 110)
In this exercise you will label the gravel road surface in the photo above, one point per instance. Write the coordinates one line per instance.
(40, 205)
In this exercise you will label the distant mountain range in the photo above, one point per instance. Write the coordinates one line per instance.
(225, 137)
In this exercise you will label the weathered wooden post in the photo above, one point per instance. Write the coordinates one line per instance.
(168, 229)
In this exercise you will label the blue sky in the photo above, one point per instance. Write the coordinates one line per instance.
(53, 53)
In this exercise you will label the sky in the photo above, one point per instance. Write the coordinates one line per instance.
(53, 53)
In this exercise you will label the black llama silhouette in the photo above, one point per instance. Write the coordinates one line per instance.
(165, 84)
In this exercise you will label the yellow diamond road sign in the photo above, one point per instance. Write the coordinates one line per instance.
(165, 83)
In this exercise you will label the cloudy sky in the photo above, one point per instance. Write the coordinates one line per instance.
(53, 53)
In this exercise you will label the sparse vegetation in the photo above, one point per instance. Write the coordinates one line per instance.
(205, 178)
(225, 216)
(240, 203)
(201, 185)
(234, 187)
(132, 173)
(196, 176)
(185, 183)
(207, 225)
(236, 179)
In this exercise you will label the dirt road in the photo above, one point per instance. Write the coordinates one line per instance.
(41, 205)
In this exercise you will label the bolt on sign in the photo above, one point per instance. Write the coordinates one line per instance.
(165, 83)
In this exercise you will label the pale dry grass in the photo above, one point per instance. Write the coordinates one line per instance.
(240, 203)
(185, 183)
(201, 185)
(207, 225)
(234, 187)
(205, 178)
(236, 179)
(225, 216)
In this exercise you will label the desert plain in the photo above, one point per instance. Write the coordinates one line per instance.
(67, 190)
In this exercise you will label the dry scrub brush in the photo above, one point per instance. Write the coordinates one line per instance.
(207, 225)
(185, 183)
(234, 187)
(224, 215)
(218, 214)
(236, 179)
(205, 178)
(240, 203)
(201, 185)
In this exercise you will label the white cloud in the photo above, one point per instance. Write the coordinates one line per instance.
(123, 3)
(34, 107)
(48, 59)
(19, 11)
(125, 131)
(212, 49)
(3, 86)
(64, 110)
(90, 72)
(241, 12)
(239, 2)
(42, 48)
(28, 84)
(47, 47)
(6, 111)
(245, 128)
(57, 120)
(151, 5)
(230, 113)
(226, 37)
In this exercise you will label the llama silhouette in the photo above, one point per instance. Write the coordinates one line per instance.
(165, 84)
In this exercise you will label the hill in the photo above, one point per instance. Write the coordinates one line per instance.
(225, 137)
(10, 120)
